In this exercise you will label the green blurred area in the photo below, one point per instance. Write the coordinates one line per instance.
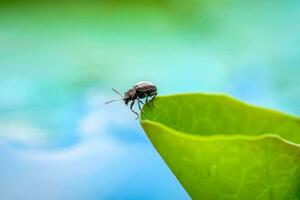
(53, 52)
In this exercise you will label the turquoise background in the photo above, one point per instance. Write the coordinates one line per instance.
(60, 59)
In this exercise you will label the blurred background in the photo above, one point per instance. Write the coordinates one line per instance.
(60, 59)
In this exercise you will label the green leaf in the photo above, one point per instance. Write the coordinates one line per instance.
(221, 148)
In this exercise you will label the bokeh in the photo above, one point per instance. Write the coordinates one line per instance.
(60, 59)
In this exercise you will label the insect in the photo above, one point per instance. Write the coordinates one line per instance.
(138, 91)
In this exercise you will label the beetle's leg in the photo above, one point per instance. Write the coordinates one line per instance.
(141, 101)
(150, 103)
(155, 94)
(131, 108)
(147, 100)
(140, 105)
(152, 99)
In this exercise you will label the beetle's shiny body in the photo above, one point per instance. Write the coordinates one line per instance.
(140, 90)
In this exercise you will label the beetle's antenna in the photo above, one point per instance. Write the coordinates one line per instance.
(116, 91)
(113, 101)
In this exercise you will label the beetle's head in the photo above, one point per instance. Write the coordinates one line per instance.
(126, 101)
(126, 98)
(129, 95)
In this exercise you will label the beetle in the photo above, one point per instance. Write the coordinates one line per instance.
(138, 91)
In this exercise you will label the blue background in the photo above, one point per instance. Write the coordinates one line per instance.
(59, 61)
